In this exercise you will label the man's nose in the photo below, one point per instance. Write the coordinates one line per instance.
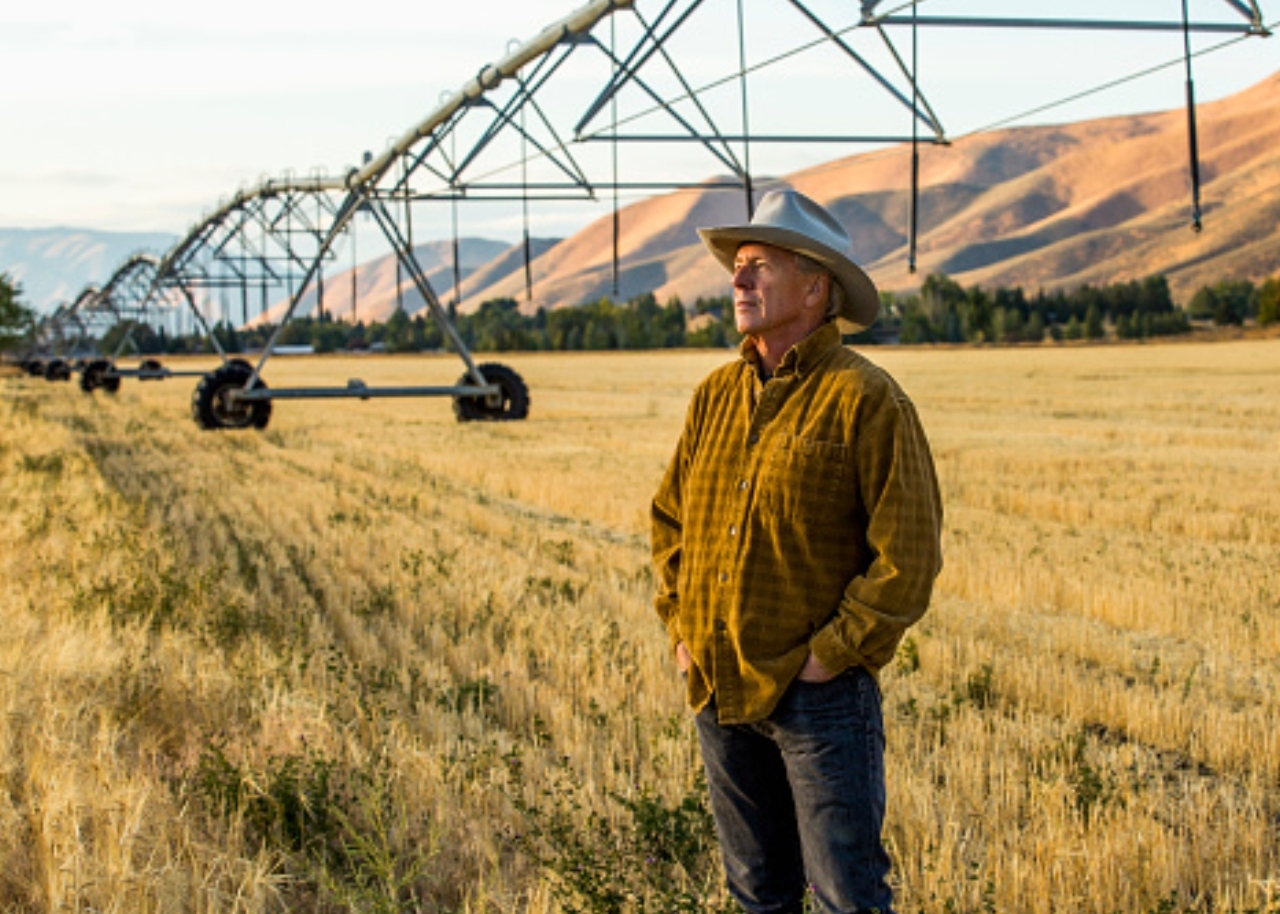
(743, 278)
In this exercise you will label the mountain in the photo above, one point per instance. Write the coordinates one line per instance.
(54, 265)
(1050, 207)
(376, 280)
(1097, 201)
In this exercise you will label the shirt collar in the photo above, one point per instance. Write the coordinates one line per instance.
(801, 358)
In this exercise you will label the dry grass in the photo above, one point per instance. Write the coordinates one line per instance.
(324, 667)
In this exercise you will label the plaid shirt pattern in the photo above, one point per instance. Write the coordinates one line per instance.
(798, 515)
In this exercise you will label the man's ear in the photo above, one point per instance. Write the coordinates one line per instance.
(819, 290)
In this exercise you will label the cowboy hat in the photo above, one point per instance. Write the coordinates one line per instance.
(788, 219)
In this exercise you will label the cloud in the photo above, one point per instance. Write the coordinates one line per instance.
(68, 178)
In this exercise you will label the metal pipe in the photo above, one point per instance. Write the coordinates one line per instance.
(357, 390)
(490, 77)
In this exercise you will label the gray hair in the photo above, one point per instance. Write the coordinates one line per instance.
(835, 294)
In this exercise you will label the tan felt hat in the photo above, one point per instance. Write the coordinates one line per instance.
(788, 219)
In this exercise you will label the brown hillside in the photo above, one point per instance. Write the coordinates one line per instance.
(376, 298)
(1041, 207)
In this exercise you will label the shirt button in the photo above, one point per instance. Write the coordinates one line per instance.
(742, 484)
(724, 577)
(753, 439)
(720, 625)
(733, 531)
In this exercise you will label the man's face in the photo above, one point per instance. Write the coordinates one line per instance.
(769, 291)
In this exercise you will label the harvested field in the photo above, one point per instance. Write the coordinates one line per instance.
(372, 659)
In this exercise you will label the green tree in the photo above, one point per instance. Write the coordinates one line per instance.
(941, 299)
(1268, 302)
(142, 338)
(228, 337)
(1006, 325)
(398, 332)
(980, 317)
(1093, 328)
(1034, 331)
(1125, 327)
(1226, 302)
(16, 319)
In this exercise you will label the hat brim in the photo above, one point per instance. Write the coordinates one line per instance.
(861, 303)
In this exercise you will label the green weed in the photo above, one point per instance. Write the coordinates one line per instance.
(640, 854)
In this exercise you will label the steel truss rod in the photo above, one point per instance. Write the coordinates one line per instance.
(284, 230)
(355, 389)
(716, 144)
(404, 251)
(1097, 25)
(626, 71)
(857, 58)
(350, 205)
(505, 117)
(829, 34)
(487, 80)
(199, 317)
(927, 116)
(754, 138)
(132, 296)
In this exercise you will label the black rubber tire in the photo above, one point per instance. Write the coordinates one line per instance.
(149, 365)
(57, 370)
(91, 375)
(514, 396)
(35, 368)
(213, 410)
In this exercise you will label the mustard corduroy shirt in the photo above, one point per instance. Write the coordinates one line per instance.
(798, 515)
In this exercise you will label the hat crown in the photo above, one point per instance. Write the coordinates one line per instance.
(789, 220)
(794, 212)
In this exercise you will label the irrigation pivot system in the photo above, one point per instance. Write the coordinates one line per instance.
(551, 123)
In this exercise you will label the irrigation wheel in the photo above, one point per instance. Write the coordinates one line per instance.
(149, 365)
(57, 370)
(95, 375)
(511, 403)
(213, 408)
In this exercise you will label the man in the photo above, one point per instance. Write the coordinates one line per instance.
(796, 536)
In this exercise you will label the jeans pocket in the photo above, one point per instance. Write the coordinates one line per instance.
(849, 699)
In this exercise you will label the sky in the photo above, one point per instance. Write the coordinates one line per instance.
(139, 115)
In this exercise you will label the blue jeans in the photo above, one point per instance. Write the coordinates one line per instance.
(799, 799)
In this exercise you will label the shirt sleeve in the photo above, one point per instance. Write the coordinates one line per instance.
(667, 530)
(899, 489)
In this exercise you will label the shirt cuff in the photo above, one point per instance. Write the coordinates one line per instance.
(827, 651)
(673, 631)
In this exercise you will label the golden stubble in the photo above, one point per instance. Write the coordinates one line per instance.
(445, 619)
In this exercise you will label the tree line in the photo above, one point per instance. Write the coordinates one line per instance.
(945, 311)
(16, 319)
(942, 311)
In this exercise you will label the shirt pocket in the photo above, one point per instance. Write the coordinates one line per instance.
(803, 479)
